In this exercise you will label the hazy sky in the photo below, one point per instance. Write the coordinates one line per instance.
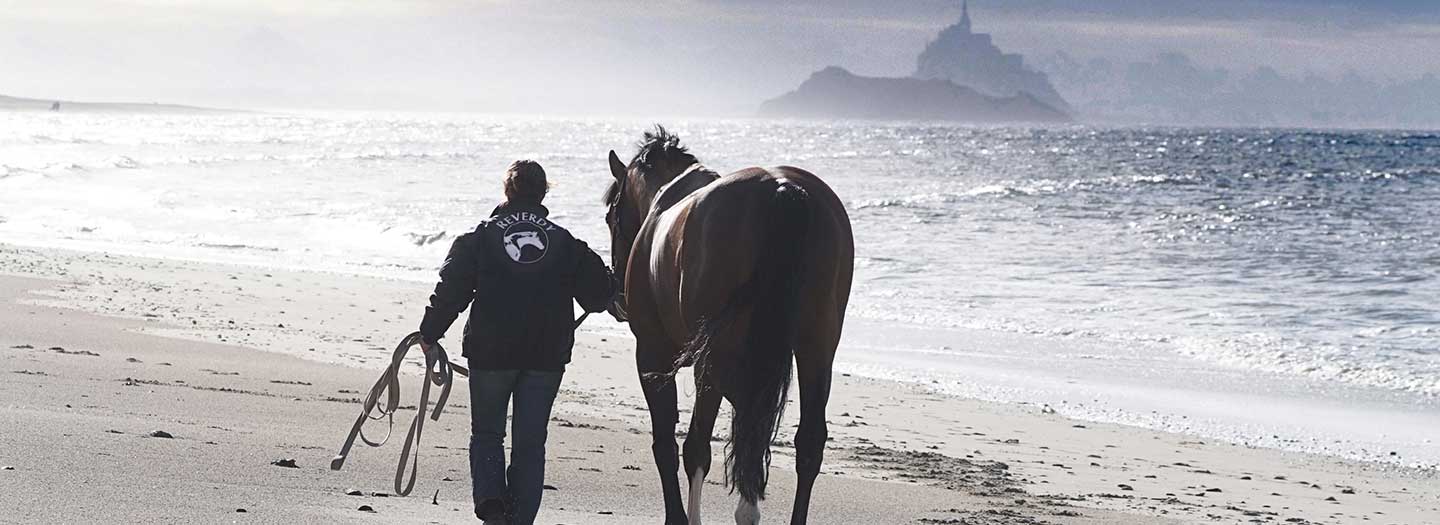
(638, 56)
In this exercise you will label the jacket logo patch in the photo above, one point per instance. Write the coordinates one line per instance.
(525, 239)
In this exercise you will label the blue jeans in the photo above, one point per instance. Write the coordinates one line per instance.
(524, 483)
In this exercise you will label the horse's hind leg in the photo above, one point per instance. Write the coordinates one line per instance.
(659, 388)
(747, 512)
(814, 370)
(697, 443)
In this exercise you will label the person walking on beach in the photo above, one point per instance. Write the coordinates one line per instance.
(517, 272)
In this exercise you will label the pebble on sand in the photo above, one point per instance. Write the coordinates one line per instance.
(241, 510)
(161, 434)
(286, 463)
(354, 492)
(366, 508)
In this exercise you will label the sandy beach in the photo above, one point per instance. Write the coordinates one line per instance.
(1038, 262)
(105, 356)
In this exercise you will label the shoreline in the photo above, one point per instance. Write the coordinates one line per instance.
(326, 318)
(1094, 395)
(1305, 415)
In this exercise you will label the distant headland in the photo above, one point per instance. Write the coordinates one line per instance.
(8, 103)
(960, 76)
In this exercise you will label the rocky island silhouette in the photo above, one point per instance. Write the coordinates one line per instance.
(960, 76)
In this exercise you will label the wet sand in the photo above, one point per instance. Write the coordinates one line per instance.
(243, 367)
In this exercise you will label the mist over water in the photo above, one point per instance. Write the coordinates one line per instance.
(1324, 63)
(1294, 257)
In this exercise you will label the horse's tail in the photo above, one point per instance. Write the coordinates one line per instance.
(759, 381)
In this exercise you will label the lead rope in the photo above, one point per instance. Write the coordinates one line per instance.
(439, 371)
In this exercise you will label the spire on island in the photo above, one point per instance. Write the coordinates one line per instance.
(971, 59)
(965, 16)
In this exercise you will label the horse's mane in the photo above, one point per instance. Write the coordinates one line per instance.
(658, 146)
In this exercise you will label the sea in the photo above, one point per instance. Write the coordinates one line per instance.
(1268, 287)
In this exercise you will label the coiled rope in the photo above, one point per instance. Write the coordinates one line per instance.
(438, 371)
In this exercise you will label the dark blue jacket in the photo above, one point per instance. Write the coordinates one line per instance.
(518, 272)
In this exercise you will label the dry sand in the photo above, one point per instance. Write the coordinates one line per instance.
(98, 352)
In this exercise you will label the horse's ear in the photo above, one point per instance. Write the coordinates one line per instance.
(617, 168)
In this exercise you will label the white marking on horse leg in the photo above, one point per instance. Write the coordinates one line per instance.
(697, 486)
(747, 513)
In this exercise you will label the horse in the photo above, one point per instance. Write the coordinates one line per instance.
(745, 277)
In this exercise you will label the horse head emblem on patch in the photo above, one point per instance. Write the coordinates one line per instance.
(525, 243)
(524, 237)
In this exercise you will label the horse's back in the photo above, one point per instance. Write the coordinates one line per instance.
(726, 223)
(830, 244)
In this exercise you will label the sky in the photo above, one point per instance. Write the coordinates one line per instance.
(697, 57)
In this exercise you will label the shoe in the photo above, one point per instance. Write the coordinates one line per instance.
(492, 512)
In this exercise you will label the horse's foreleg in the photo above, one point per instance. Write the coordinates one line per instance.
(810, 438)
(697, 444)
(661, 398)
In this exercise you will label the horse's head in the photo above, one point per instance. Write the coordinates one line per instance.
(659, 159)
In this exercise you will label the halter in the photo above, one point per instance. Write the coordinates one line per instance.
(613, 218)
